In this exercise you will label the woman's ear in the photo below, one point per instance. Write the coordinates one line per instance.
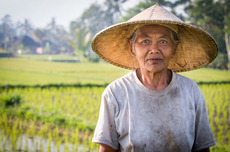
(175, 47)
(131, 48)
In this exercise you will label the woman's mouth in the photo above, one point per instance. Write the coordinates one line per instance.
(155, 60)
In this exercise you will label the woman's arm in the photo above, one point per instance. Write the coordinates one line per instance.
(106, 148)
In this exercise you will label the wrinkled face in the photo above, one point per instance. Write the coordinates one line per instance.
(153, 48)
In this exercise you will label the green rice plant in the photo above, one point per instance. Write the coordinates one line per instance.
(41, 145)
(91, 145)
(26, 142)
(85, 142)
(4, 121)
(14, 139)
(10, 100)
(49, 141)
(20, 141)
(220, 148)
(220, 133)
(228, 136)
(76, 139)
(218, 103)
(75, 110)
(2, 143)
(67, 144)
(58, 143)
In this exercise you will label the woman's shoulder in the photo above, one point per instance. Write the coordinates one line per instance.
(121, 83)
(124, 80)
(188, 85)
(185, 81)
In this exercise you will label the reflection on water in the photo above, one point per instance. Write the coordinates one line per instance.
(37, 144)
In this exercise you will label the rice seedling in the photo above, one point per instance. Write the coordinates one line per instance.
(63, 119)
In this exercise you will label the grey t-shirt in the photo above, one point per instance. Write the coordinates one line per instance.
(134, 118)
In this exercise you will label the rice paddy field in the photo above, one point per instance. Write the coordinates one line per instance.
(62, 118)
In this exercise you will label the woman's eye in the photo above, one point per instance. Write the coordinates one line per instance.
(163, 41)
(145, 41)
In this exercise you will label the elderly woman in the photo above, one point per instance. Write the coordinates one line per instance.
(152, 108)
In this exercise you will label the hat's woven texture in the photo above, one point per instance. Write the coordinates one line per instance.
(196, 48)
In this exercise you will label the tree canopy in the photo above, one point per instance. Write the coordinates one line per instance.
(211, 15)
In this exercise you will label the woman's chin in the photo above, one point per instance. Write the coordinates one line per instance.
(155, 69)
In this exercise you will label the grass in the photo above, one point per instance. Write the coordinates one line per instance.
(38, 70)
(71, 108)
(16, 71)
(208, 75)
(34, 57)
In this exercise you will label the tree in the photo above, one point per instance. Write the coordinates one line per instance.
(7, 30)
(113, 10)
(53, 31)
(60, 38)
(53, 35)
(25, 28)
(226, 5)
(91, 19)
(52, 25)
(214, 17)
(81, 42)
(40, 35)
(98, 17)
(142, 6)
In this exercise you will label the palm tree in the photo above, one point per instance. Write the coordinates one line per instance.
(81, 42)
(113, 10)
(40, 35)
(55, 32)
(52, 25)
(25, 28)
(7, 30)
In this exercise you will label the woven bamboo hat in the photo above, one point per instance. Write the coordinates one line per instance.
(196, 47)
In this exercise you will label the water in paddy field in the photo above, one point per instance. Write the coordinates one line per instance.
(22, 142)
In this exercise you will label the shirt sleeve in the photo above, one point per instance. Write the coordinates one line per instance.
(203, 133)
(105, 132)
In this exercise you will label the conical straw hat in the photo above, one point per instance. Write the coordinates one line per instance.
(196, 47)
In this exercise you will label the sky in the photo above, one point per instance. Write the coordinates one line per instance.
(41, 12)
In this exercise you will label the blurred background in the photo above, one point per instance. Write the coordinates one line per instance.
(51, 81)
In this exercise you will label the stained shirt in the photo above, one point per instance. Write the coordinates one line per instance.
(134, 118)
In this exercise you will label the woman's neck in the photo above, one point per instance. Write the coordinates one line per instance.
(154, 80)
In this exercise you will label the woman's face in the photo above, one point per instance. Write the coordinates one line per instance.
(153, 48)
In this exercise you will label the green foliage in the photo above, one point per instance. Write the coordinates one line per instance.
(21, 72)
(220, 148)
(209, 15)
(220, 62)
(60, 108)
(207, 75)
(146, 4)
(10, 100)
(91, 18)
(213, 16)
(98, 17)
(94, 58)
(64, 107)
(81, 43)
(47, 47)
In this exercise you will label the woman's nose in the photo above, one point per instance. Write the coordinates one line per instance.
(153, 48)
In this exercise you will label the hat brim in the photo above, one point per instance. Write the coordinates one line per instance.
(196, 47)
